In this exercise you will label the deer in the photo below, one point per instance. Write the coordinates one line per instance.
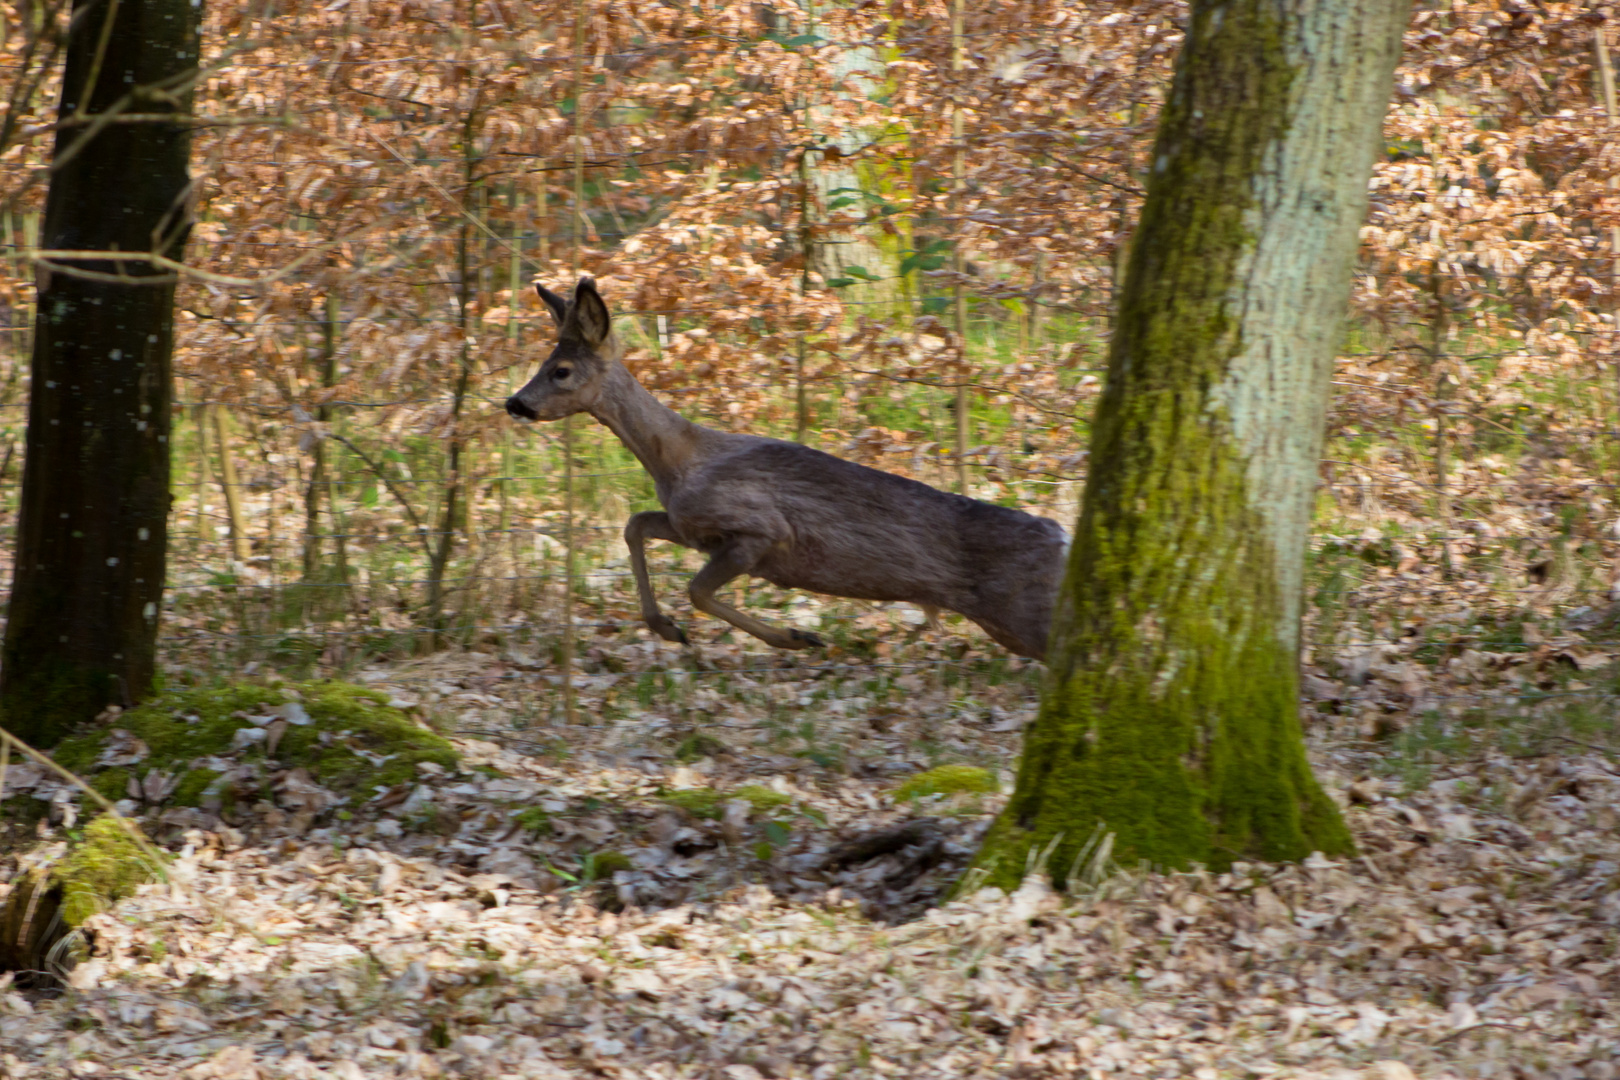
(790, 514)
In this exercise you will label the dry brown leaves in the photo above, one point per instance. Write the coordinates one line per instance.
(1472, 937)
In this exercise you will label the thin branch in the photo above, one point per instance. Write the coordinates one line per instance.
(1590, 746)
(410, 511)
(456, 205)
(94, 76)
(51, 255)
(106, 278)
(1127, 188)
(23, 90)
(1460, 1032)
(175, 119)
(95, 796)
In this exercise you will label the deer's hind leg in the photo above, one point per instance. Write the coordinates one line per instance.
(652, 525)
(736, 556)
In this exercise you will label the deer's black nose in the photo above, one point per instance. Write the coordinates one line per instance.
(520, 410)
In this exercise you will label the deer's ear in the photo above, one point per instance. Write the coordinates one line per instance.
(590, 313)
(558, 306)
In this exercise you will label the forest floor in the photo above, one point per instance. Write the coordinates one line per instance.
(747, 877)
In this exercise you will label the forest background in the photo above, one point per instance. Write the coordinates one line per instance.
(888, 233)
(892, 230)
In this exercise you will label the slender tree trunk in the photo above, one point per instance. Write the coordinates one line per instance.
(454, 514)
(93, 528)
(231, 486)
(205, 526)
(1170, 718)
(317, 465)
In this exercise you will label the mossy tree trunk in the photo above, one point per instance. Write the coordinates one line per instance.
(1170, 717)
(93, 527)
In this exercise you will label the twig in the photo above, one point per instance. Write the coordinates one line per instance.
(163, 262)
(410, 511)
(22, 90)
(1127, 188)
(455, 204)
(96, 797)
(88, 90)
(1589, 746)
(1482, 1024)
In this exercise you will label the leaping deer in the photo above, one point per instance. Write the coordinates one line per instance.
(797, 517)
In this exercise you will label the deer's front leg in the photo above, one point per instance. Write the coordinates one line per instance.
(653, 524)
(738, 556)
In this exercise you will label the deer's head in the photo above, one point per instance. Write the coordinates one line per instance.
(571, 378)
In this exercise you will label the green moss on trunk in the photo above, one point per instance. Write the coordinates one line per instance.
(1171, 713)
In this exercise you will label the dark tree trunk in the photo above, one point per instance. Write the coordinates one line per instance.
(1170, 718)
(92, 534)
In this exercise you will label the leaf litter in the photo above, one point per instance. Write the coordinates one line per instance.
(603, 908)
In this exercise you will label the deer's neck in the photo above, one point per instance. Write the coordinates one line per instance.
(666, 443)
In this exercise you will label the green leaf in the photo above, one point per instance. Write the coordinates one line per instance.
(777, 833)
(929, 255)
(853, 194)
(860, 272)
(839, 282)
(803, 39)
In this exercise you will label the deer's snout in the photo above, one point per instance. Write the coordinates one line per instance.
(519, 410)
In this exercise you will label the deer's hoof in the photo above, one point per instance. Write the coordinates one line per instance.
(804, 639)
(666, 629)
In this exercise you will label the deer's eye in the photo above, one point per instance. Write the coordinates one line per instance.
(561, 373)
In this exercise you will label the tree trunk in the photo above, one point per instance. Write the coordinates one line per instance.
(93, 525)
(1170, 718)
(838, 190)
(317, 452)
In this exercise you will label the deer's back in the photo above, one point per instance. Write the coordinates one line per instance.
(854, 531)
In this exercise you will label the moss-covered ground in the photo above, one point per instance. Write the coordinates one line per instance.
(948, 780)
(352, 742)
(103, 867)
(709, 803)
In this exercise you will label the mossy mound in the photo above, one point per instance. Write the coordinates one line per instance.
(709, 803)
(604, 864)
(347, 737)
(762, 799)
(948, 780)
(701, 802)
(101, 869)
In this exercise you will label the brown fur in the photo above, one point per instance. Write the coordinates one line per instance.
(794, 516)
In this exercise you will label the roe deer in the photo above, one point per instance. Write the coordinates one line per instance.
(794, 516)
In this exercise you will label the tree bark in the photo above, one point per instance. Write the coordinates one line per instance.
(839, 185)
(1170, 717)
(317, 452)
(93, 527)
